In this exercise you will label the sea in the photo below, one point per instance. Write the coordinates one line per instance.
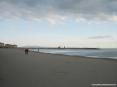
(94, 53)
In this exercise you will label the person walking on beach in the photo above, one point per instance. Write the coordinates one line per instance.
(26, 51)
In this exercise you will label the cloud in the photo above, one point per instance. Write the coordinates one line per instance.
(54, 10)
(101, 37)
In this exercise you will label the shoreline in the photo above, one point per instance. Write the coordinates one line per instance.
(76, 56)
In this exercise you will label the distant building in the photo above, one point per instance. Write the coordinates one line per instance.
(1, 45)
(10, 46)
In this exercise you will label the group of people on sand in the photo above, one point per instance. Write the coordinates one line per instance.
(26, 51)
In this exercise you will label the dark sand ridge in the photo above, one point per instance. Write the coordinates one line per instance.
(48, 70)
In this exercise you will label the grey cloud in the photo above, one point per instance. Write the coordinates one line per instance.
(101, 37)
(87, 9)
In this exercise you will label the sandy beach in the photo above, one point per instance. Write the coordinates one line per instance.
(48, 70)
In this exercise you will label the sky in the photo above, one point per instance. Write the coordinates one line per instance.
(53, 23)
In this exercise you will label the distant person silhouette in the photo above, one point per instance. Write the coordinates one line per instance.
(38, 49)
(26, 51)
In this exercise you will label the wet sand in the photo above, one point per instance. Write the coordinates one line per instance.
(48, 70)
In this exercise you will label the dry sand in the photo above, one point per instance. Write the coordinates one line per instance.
(48, 70)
